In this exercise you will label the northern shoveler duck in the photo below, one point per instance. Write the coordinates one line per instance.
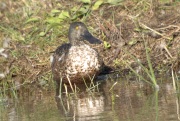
(76, 60)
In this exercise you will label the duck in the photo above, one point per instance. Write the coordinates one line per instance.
(76, 61)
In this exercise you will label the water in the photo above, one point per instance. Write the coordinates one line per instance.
(120, 100)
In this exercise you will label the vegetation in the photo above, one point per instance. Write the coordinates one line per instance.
(31, 30)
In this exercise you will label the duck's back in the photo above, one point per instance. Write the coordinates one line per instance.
(76, 62)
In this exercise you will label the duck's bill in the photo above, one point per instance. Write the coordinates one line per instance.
(87, 36)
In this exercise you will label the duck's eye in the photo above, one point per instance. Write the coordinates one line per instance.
(77, 27)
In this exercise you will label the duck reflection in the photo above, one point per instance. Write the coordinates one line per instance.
(83, 106)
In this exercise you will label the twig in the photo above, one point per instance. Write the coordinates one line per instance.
(146, 27)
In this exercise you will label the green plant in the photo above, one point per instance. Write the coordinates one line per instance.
(149, 72)
(56, 18)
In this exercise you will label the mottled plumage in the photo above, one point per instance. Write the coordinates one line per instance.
(76, 59)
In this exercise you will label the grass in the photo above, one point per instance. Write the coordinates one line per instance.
(91, 88)
(149, 72)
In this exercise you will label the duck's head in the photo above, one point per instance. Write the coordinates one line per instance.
(78, 33)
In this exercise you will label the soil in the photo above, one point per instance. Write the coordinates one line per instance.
(159, 28)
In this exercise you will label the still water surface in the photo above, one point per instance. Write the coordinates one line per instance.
(120, 100)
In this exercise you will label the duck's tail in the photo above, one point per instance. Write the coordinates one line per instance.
(107, 70)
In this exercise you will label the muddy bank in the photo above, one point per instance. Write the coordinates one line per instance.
(158, 27)
(126, 27)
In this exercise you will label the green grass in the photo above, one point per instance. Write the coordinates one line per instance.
(149, 71)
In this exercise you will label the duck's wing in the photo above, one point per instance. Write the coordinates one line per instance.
(61, 53)
(62, 50)
(59, 59)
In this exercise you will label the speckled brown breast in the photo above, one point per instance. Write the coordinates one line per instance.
(79, 64)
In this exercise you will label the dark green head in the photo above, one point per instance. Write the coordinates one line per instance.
(78, 32)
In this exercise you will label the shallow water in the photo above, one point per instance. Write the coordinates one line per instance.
(120, 100)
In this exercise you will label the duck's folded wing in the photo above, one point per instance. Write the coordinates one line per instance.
(59, 57)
